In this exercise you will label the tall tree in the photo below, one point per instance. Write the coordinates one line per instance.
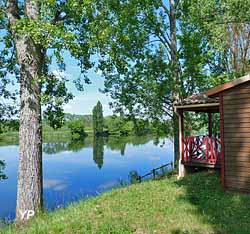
(33, 32)
(98, 121)
(143, 69)
(181, 47)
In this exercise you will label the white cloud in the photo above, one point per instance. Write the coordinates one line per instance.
(99, 72)
(107, 185)
(59, 74)
(57, 185)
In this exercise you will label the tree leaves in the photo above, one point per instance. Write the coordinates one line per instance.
(61, 25)
(54, 96)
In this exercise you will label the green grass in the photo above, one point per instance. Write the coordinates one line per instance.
(195, 205)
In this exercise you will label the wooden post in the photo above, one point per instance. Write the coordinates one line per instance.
(210, 125)
(222, 153)
(153, 173)
(181, 145)
(162, 170)
(139, 179)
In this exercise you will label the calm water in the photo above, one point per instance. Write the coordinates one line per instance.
(78, 170)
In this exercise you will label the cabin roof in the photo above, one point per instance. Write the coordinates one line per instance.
(221, 88)
(198, 102)
(199, 98)
(208, 101)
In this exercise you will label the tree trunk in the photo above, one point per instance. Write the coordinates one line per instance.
(30, 58)
(175, 73)
(30, 189)
(176, 139)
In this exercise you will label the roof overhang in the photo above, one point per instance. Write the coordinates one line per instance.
(205, 107)
(215, 91)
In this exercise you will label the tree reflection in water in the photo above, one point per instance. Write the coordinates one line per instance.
(2, 167)
(74, 146)
(98, 151)
(98, 142)
(119, 143)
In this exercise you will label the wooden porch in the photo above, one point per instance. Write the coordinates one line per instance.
(227, 145)
(201, 151)
(198, 151)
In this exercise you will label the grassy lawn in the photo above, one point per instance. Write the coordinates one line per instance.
(195, 204)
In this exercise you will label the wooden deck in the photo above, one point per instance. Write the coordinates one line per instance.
(201, 164)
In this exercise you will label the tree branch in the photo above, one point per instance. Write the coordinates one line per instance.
(32, 9)
(12, 11)
(177, 3)
(160, 34)
(165, 8)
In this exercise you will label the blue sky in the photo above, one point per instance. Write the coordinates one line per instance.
(83, 102)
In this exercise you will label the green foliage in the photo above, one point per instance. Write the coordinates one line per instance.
(116, 125)
(9, 125)
(54, 96)
(158, 128)
(77, 129)
(98, 121)
(87, 119)
(61, 26)
(140, 69)
(141, 127)
(133, 177)
(221, 28)
(125, 126)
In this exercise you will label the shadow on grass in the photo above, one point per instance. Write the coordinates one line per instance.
(226, 212)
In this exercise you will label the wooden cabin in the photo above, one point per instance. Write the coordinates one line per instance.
(230, 150)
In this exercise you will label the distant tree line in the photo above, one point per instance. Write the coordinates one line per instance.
(80, 125)
(9, 125)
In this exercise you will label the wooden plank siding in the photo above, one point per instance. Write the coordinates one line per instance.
(236, 113)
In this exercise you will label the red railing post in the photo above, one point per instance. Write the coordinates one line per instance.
(202, 149)
(210, 126)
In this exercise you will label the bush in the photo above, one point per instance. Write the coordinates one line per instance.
(77, 129)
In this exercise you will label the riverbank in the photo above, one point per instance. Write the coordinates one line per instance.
(194, 205)
(49, 134)
(64, 133)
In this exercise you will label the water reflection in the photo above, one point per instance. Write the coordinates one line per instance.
(2, 167)
(71, 145)
(98, 143)
(112, 143)
(98, 151)
(77, 169)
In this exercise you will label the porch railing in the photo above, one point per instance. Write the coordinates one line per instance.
(203, 149)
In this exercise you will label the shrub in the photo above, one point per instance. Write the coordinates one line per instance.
(77, 129)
